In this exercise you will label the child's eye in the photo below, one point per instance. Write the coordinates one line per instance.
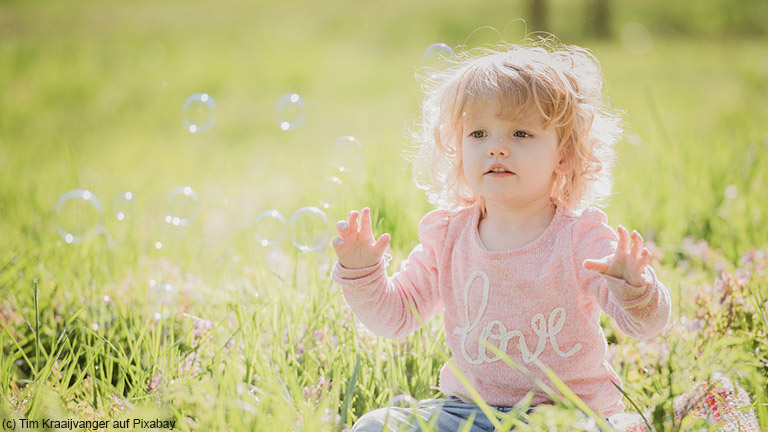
(478, 134)
(521, 134)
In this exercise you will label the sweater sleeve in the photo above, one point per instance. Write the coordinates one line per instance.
(383, 303)
(640, 312)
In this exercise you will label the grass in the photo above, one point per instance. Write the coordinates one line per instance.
(259, 338)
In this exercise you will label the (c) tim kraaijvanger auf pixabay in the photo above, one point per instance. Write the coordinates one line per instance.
(97, 424)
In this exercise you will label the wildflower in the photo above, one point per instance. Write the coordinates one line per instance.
(201, 332)
(190, 365)
(755, 261)
(318, 336)
(117, 406)
(154, 383)
(698, 249)
(316, 391)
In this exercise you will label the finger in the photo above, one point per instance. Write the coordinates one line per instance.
(646, 257)
(381, 244)
(365, 222)
(337, 243)
(623, 245)
(342, 227)
(596, 265)
(637, 245)
(353, 221)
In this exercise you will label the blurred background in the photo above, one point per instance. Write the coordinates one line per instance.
(91, 97)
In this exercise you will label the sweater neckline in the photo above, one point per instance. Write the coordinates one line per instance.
(522, 249)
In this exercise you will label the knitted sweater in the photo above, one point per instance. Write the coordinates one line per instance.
(535, 303)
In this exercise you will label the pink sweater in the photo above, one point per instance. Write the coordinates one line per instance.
(535, 303)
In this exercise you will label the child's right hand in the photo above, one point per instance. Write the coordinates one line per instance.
(357, 248)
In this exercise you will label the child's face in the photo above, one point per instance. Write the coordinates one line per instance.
(524, 146)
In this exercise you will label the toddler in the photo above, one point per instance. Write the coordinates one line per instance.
(518, 145)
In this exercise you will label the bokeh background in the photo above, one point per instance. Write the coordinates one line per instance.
(91, 98)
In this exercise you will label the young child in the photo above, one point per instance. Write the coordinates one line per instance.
(519, 144)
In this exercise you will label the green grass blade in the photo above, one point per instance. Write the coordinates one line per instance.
(634, 405)
(37, 331)
(348, 395)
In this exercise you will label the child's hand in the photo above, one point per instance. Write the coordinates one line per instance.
(625, 263)
(357, 249)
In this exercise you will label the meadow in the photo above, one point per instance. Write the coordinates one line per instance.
(253, 337)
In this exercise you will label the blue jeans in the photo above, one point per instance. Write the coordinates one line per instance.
(443, 415)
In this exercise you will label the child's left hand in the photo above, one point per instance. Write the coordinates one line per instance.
(625, 263)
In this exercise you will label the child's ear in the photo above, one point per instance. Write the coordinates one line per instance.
(561, 168)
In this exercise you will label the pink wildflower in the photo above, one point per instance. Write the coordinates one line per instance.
(154, 382)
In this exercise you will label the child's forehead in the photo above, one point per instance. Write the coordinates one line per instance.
(485, 110)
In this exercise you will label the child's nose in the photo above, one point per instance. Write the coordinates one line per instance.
(497, 149)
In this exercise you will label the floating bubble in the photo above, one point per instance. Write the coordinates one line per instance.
(290, 110)
(331, 190)
(163, 298)
(635, 139)
(309, 229)
(636, 39)
(199, 112)
(100, 312)
(403, 401)
(182, 206)
(124, 205)
(78, 215)
(270, 227)
(347, 154)
(438, 52)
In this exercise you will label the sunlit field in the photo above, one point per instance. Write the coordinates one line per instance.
(163, 290)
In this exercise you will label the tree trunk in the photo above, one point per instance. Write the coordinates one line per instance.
(599, 18)
(538, 14)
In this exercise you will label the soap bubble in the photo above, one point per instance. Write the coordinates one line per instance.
(163, 298)
(309, 229)
(290, 110)
(100, 312)
(124, 205)
(347, 154)
(403, 401)
(438, 52)
(636, 39)
(270, 227)
(182, 206)
(331, 190)
(78, 215)
(199, 112)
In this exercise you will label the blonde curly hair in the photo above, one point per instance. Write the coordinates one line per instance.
(563, 83)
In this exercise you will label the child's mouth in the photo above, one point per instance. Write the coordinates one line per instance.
(499, 173)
